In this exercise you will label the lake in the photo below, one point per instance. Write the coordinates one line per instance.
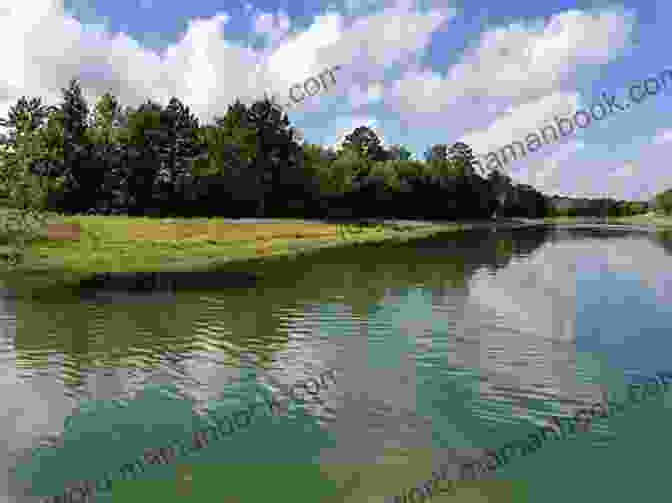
(442, 347)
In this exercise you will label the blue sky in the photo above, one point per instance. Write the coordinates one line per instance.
(417, 72)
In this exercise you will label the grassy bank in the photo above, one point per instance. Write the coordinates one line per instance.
(137, 244)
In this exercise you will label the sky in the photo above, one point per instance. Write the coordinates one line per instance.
(418, 73)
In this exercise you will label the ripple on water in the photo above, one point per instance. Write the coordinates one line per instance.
(441, 347)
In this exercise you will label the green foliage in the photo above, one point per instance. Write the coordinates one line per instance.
(74, 114)
(176, 143)
(225, 155)
(436, 153)
(410, 169)
(364, 142)
(398, 153)
(26, 153)
(106, 121)
(339, 178)
(664, 202)
(234, 127)
(462, 157)
(248, 161)
(388, 172)
(350, 231)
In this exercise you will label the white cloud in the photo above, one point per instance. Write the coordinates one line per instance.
(628, 178)
(550, 174)
(663, 137)
(203, 68)
(273, 26)
(565, 174)
(512, 81)
(301, 56)
(513, 65)
(359, 96)
(364, 49)
(515, 125)
(374, 43)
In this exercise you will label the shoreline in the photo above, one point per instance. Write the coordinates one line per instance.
(102, 250)
(105, 246)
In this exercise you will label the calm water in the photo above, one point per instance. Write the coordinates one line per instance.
(442, 347)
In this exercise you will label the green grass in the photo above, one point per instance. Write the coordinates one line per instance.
(140, 244)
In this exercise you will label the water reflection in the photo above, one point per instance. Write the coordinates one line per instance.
(444, 346)
(166, 281)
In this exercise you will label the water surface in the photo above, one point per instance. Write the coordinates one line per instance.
(443, 347)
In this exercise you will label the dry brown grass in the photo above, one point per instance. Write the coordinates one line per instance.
(95, 243)
(264, 248)
(220, 231)
(64, 232)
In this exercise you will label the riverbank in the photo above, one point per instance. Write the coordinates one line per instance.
(137, 244)
(76, 247)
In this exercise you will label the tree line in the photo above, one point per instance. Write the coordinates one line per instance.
(157, 160)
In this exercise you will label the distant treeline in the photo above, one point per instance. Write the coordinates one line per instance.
(159, 161)
(587, 207)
